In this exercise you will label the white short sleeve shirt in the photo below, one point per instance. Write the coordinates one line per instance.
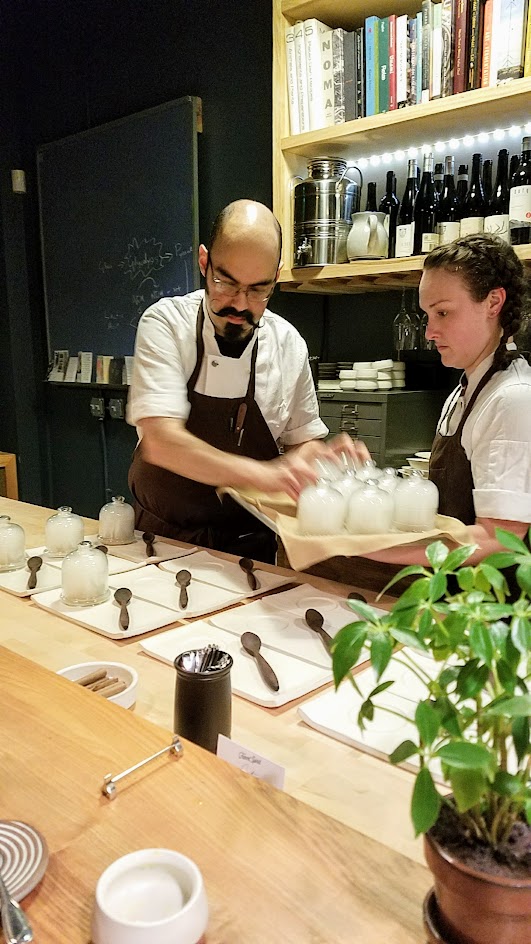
(497, 439)
(165, 356)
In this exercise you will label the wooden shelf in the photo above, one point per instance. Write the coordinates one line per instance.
(345, 13)
(365, 276)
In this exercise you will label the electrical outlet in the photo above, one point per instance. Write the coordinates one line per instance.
(117, 408)
(97, 407)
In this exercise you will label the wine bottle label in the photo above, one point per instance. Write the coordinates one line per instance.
(429, 241)
(447, 232)
(498, 226)
(520, 204)
(405, 234)
(471, 224)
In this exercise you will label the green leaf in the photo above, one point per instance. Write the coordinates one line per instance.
(405, 572)
(465, 755)
(425, 802)
(516, 707)
(509, 539)
(468, 786)
(403, 751)
(523, 577)
(521, 634)
(498, 632)
(506, 677)
(482, 583)
(448, 676)
(438, 585)
(520, 732)
(418, 591)
(500, 559)
(436, 554)
(408, 638)
(381, 650)
(481, 642)
(381, 688)
(367, 710)
(465, 578)
(348, 644)
(471, 679)
(428, 722)
(493, 576)
(364, 610)
(457, 557)
(425, 624)
(506, 784)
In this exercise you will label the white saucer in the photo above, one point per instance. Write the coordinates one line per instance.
(23, 857)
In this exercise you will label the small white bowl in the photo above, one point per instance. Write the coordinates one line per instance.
(420, 464)
(423, 455)
(118, 670)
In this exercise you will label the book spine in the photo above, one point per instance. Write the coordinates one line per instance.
(302, 82)
(360, 70)
(460, 46)
(412, 53)
(495, 42)
(527, 53)
(513, 24)
(383, 60)
(436, 52)
(392, 61)
(447, 65)
(339, 75)
(427, 30)
(474, 32)
(401, 61)
(291, 73)
(327, 65)
(371, 65)
(419, 57)
(486, 44)
(314, 73)
(349, 75)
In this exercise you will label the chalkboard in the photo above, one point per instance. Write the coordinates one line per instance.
(119, 225)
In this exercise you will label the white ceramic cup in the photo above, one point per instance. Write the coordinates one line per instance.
(152, 896)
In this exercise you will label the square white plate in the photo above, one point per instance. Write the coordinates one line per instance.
(136, 552)
(296, 678)
(16, 581)
(225, 574)
(117, 565)
(153, 584)
(144, 616)
(334, 609)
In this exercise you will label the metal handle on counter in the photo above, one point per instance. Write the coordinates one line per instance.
(109, 781)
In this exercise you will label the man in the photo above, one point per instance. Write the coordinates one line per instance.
(219, 382)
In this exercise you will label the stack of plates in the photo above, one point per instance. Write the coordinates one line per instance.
(327, 376)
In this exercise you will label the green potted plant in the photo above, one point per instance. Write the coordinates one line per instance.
(466, 645)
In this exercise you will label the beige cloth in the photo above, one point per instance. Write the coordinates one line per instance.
(305, 550)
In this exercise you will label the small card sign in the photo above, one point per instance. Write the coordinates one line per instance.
(250, 762)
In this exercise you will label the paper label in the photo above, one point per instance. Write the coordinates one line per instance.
(520, 204)
(250, 762)
(498, 226)
(447, 232)
(470, 225)
(404, 240)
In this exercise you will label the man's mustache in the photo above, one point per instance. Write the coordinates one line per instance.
(232, 312)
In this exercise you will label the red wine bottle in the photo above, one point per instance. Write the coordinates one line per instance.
(487, 181)
(425, 209)
(448, 208)
(520, 198)
(438, 176)
(474, 207)
(390, 204)
(462, 184)
(497, 219)
(371, 197)
(405, 230)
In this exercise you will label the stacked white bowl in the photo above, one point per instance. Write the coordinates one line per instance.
(373, 375)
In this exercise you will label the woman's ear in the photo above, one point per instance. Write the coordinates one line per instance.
(496, 300)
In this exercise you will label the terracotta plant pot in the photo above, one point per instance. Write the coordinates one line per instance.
(474, 907)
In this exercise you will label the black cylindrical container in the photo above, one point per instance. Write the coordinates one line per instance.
(203, 706)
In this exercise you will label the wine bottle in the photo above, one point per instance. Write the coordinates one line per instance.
(487, 181)
(389, 204)
(405, 229)
(371, 197)
(473, 214)
(438, 176)
(462, 184)
(513, 166)
(520, 198)
(448, 209)
(497, 219)
(425, 209)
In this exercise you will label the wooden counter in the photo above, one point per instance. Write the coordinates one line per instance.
(352, 787)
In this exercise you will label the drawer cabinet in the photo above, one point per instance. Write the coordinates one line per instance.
(393, 424)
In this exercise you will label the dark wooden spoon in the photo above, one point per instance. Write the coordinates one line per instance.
(315, 621)
(357, 596)
(251, 643)
(149, 538)
(247, 565)
(103, 548)
(34, 565)
(183, 578)
(123, 596)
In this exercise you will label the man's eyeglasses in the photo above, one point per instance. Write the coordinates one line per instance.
(253, 293)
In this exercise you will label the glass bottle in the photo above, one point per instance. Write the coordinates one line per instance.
(487, 181)
(117, 522)
(438, 176)
(390, 204)
(85, 576)
(404, 330)
(370, 510)
(520, 198)
(371, 197)
(513, 165)
(425, 209)
(63, 532)
(416, 501)
(474, 206)
(321, 509)
(12, 545)
(497, 219)
(462, 186)
(448, 207)
(405, 230)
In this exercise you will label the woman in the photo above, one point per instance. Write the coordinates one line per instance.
(474, 292)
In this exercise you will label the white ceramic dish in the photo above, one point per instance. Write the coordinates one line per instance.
(24, 857)
(117, 670)
(304, 597)
(159, 587)
(137, 552)
(225, 574)
(407, 470)
(366, 384)
(385, 364)
(296, 677)
(144, 616)
(348, 385)
(416, 462)
(16, 581)
(347, 374)
(117, 565)
(423, 455)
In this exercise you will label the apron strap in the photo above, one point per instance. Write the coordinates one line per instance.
(482, 383)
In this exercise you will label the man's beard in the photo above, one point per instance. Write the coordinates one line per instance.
(235, 332)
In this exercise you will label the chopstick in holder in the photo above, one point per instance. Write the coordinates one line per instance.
(97, 686)
(92, 677)
(117, 686)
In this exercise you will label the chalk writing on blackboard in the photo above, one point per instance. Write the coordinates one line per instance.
(143, 257)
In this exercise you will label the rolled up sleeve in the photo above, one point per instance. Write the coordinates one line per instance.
(158, 385)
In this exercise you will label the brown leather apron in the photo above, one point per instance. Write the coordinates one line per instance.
(174, 506)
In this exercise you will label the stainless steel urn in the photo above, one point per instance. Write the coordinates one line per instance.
(324, 204)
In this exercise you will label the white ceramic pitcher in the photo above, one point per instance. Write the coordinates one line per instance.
(367, 239)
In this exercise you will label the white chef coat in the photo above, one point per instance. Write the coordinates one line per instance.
(165, 356)
(497, 439)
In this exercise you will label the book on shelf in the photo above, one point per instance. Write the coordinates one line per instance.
(419, 57)
(349, 75)
(291, 74)
(372, 103)
(427, 41)
(383, 65)
(412, 54)
(401, 60)
(360, 70)
(392, 61)
(436, 52)
(527, 54)
(302, 83)
(486, 44)
(339, 75)
(460, 45)
(319, 73)
(511, 46)
(447, 64)
(494, 42)
(475, 32)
